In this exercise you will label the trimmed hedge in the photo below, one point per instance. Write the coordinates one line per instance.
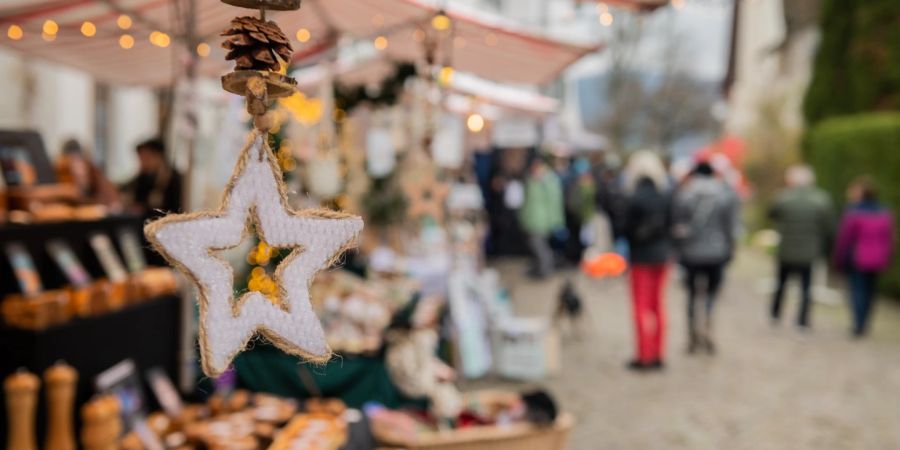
(843, 148)
(857, 66)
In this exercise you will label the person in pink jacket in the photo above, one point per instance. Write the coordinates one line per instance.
(864, 249)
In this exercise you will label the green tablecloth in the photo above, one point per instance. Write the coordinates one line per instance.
(354, 379)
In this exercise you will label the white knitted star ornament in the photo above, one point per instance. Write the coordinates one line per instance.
(255, 194)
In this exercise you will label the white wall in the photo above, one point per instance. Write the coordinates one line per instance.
(12, 76)
(59, 102)
(133, 118)
(54, 100)
(61, 105)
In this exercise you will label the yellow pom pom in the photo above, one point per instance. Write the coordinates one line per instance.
(258, 272)
(268, 286)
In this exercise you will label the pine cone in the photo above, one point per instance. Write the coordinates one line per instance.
(256, 45)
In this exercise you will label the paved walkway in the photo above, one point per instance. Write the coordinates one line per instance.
(768, 387)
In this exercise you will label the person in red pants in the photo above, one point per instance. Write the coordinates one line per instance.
(646, 225)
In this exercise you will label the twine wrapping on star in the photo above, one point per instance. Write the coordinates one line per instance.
(255, 195)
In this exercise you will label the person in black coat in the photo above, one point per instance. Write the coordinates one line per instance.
(157, 188)
(646, 224)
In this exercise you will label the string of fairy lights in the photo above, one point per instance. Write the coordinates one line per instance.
(440, 22)
(126, 32)
(51, 29)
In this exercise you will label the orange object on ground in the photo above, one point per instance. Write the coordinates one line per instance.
(605, 265)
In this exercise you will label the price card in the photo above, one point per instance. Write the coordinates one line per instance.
(109, 259)
(68, 262)
(23, 266)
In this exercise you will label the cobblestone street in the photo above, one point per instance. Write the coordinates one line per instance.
(767, 388)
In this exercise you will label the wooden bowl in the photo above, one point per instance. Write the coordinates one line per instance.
(277, 85)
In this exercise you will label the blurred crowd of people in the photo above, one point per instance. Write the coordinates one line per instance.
(656, 219)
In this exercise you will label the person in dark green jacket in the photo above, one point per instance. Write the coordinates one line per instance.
(804, 218)
(542, 213)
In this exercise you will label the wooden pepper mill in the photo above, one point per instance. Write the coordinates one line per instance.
(21, 390)
(59, 382)
(102, 424)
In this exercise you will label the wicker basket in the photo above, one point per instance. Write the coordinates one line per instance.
(513, 437)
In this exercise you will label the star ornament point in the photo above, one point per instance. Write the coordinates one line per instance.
(255, 194)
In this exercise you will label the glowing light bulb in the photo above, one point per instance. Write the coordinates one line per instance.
(160, 39)
(124, 22)
(203, 49)
(126, 41)
(475, 122)
(15, 32)
(440, 22)
(88, 29)
(381, 43)
(606, 19)
(50, 27)
(446, 75)
(303, 35)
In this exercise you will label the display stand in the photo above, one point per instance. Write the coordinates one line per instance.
(76, 234)
(146, 331)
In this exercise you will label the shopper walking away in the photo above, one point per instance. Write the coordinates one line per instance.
(803, 216)
(864, 249)
(542, 214)
(646, 225)
(706, 222)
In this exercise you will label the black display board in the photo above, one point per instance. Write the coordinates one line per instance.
(23, 159)
(76, 234)
(146, 332)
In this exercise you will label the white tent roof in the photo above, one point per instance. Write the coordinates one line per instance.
(489, 46)
(466, 88)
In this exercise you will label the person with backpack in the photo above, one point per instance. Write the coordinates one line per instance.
(706, 223)
(864, 249)
(645, 224)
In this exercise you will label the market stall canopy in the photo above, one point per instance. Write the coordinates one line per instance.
(465, 88)
(481, 91)
(141, 41)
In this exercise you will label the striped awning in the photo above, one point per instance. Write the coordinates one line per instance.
(485, 45)
(470, 89)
